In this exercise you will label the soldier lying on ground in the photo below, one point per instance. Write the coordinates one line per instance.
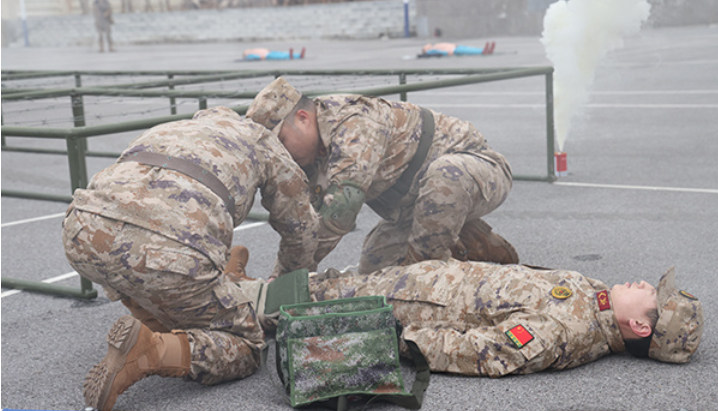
(453, 49)
(154, 230)
(475, 318)
(266, 54)
(480, 319)
(430, 177)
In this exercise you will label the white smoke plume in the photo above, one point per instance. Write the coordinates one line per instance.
(577, 34)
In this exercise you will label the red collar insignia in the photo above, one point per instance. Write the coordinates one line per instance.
(602, 298)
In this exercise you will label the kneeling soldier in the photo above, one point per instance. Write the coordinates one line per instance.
(154, 230)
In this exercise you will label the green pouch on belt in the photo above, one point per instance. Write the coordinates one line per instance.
(290, 288)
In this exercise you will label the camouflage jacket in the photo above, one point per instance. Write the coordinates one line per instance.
(244, 156)
(370, 141)
(484, 319)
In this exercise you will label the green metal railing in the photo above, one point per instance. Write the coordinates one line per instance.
(76, 137)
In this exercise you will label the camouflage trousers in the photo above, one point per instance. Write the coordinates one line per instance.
(454, 189)
(176, 284)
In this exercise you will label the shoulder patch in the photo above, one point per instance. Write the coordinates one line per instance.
(519, 335)
(688, 295)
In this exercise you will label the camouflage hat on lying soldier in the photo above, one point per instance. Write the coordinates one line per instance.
(680, 323)
(273, 104)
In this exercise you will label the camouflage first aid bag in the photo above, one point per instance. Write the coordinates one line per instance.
(342, 351)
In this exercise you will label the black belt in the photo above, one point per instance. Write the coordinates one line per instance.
(393, 194)
(187, 168)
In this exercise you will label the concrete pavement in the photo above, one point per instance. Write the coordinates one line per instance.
(640, 196)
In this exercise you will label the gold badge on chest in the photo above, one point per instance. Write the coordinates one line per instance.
(561, 293)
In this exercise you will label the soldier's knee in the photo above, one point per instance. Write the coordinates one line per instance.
(447, 167)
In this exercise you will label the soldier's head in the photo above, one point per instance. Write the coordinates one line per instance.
(665, 324)
(292, 116)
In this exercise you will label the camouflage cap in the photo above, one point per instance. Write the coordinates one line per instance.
(273, 103)
(680, 323)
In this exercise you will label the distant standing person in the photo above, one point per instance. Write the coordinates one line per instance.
(102, 10)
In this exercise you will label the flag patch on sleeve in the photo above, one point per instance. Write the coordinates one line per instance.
(519, 335)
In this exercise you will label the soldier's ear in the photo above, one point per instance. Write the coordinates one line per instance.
(303, 116)
(641, 328)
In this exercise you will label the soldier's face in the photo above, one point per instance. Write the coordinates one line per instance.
(633, 300)
(301, 137)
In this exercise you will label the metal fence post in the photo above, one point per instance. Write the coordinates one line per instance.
(550, 128)
(78, 115)
(78, 179)
(76, 160)
(402, 81)
(173, 102)
(2, 122)
(76, 150)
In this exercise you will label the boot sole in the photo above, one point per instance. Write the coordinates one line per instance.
(98, 383)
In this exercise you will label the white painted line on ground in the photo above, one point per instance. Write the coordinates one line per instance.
(630, 187)
(32, 220)
(246, 226)
(47, 217)
(74, 273)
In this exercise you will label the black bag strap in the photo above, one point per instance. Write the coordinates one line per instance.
(421, 382)
(393, 194)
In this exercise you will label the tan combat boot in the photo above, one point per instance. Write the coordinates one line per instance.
(144, 316)
(477, 242)
(134, 352)
(238, 257)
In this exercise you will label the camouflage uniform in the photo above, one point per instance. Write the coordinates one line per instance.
(484, 319)
(161, 237)
(368, 143)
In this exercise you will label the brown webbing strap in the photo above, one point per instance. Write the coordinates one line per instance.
(187, 168)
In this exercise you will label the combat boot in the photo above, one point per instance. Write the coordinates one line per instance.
(412, 257)
(477, 242)
(134, 352)
(235, 268)
(144, 316)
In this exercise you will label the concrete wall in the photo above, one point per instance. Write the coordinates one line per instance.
(472, 19)
(351, 20)
(454, 19)
(683, 12)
